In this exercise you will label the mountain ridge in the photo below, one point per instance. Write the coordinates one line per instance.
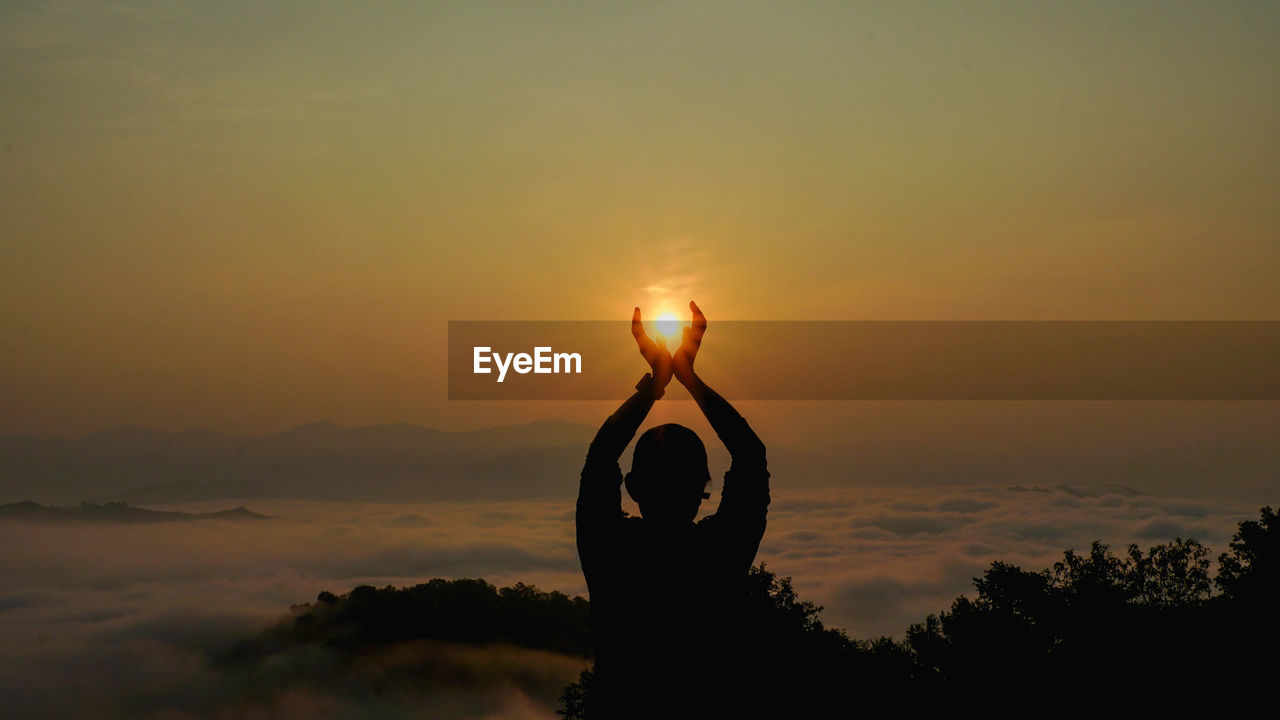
(321, 460)
(114, 513)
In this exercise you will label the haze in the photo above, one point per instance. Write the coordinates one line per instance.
(256, 219)
(241, 218)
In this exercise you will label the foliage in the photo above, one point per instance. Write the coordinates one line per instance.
(1147, 617)
(1251, 569)
(1094, 624)
(462, 611)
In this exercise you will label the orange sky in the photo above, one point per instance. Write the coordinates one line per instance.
(237, 219)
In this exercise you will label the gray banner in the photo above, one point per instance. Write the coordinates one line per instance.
(751, 360)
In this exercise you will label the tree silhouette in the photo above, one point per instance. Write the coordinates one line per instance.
(1095, 630)
(1142, 626)
(1172, 575)
(1250, 570)
(466, 611)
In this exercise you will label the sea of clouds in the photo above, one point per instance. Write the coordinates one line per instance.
(128, 620)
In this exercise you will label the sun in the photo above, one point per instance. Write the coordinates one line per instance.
(668, 326)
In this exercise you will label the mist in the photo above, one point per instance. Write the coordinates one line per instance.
(131, 620)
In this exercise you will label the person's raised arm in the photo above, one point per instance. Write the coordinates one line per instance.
(598, 493)
(733, 430)
(745, 494)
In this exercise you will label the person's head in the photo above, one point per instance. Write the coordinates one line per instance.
(669, 474)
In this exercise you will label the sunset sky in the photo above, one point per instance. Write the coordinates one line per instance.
(250, 216)
(243, 218)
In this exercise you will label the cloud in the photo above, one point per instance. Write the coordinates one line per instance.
(912, 523)
(888, 597)
(880, 559)
(126, 620)
(1163, 528)
(964, 505)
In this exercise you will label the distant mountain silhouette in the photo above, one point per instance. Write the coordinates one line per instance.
(315, 461)
(113, 513)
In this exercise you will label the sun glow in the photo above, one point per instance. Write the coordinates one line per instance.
(668, 326)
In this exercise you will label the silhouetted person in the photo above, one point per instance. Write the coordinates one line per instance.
(665, 591)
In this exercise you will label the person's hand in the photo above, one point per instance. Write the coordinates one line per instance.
(654, 353)
(682, 359)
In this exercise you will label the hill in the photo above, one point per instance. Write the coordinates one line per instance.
(113, 513)
(319, 461)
